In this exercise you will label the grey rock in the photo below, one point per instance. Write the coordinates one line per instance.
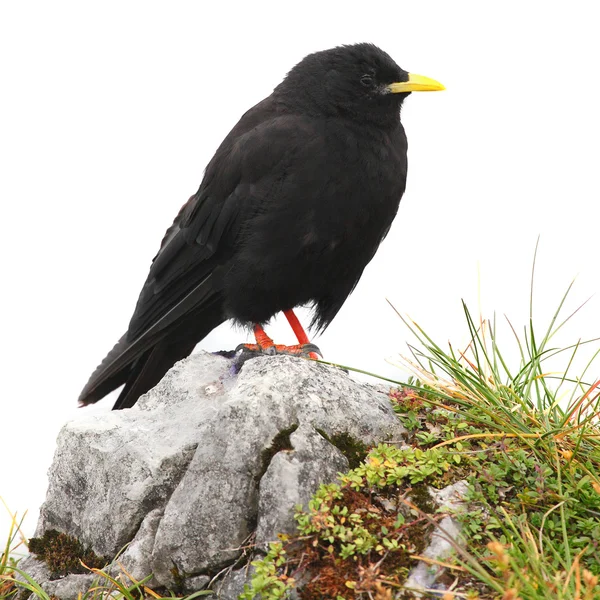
(34, 568)
(136, 557)
(198, 582)
(70, 587)
(216, 502)
(190, 472)
(111, 470)
(232, 585)
(66, 588)
(452, 497)
(291, 479)
(447, 531)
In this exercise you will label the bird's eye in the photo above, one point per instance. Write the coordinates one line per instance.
(366, 80)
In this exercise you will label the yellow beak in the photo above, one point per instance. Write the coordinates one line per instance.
(416, 83)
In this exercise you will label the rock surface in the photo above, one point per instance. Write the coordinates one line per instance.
(207, 459)
(446, 534)
(292, 477)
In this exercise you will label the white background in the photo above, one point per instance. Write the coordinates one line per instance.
(109, 112)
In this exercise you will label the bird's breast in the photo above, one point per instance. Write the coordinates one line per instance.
(371, 172)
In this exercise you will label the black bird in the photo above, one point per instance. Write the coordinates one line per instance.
(291, 209)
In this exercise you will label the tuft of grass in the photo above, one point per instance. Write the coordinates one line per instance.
(533, 531)
(8, 562)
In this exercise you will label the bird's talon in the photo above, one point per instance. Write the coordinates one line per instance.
(312, 349)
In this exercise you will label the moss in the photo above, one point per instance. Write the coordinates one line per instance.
(421, 498)
(63, 554)
(280, 442)
(354, 450)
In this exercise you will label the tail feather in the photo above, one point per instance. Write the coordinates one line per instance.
(148, 370)
(103, 380)
(140, 364)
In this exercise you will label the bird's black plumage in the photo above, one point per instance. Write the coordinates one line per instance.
(291, 209)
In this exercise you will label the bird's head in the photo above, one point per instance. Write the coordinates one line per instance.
(360, 82)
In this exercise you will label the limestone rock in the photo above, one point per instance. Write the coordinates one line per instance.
(197, 466)
(450, 498)
(291, 479)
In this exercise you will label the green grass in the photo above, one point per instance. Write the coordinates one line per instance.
(533, 441)
(8, 563)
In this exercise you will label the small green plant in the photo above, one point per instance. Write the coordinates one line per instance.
(267, 582)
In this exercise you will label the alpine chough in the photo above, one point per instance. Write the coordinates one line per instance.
(291, 209)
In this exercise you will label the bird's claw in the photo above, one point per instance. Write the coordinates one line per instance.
(312, 348)
(304, 350)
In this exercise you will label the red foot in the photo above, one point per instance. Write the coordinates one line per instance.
(265, 345)
(298, 349)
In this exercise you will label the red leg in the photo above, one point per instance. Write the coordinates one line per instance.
(296, 326)
(294, 322)
(261, 337)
